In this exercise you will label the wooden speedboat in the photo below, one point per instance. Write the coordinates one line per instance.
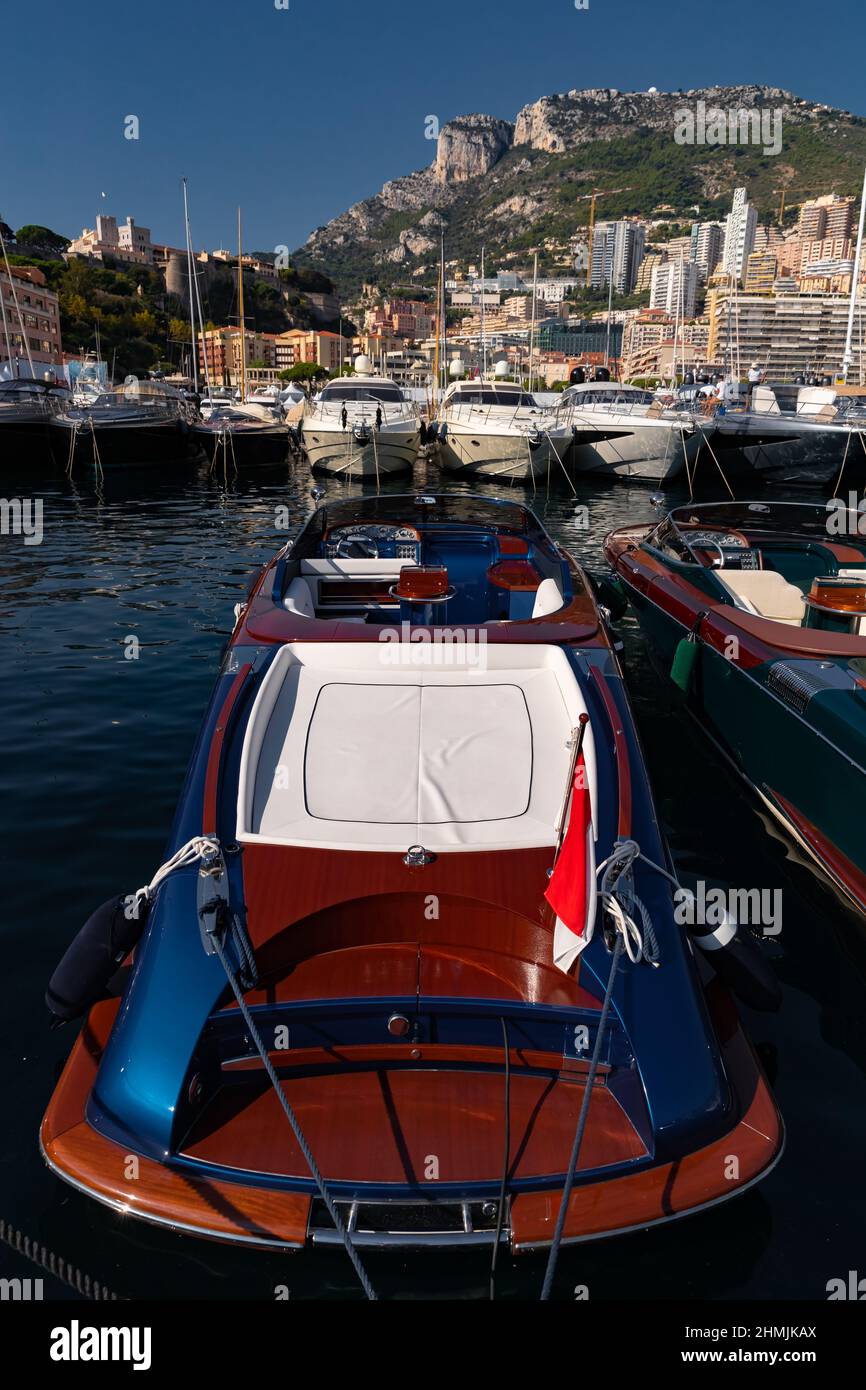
(419, 716)
(770, 602)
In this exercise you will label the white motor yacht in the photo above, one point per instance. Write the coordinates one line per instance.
(495, 429)
(624, 431)
(362, 426)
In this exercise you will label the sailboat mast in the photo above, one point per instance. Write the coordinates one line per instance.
(846, 356)
(483, 336)
(241, 312)
(438, 329)
(191, 290)
(532, 326)
(443, 315)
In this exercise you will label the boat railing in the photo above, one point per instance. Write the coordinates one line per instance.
(521, 418)
(358, 412)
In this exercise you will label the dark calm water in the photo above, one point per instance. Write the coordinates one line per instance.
(94, 747)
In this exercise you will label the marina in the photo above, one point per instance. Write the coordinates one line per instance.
(214, 535)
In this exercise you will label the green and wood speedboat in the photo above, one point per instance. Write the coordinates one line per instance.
(758, 612)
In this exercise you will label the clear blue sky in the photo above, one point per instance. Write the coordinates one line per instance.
(295, 114)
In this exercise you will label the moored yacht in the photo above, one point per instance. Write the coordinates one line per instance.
(624, 432)
(235, 434)
(27, 407)
(793, 433)
(142, 422)
(496, 429)
(361, 426)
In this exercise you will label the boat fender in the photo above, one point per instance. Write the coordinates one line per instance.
(738, 961)
(609, 591)
(441, 431)
(423, 434)
(84, 975)
(685, 656)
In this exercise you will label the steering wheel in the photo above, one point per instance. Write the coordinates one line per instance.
(357, 548)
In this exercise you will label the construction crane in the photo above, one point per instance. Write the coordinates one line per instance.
(785, 191)
(593, 196)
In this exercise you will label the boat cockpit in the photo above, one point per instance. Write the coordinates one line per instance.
(423, 560)
(792, 563)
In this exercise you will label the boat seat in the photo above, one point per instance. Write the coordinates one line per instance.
(299, 599)
(349, 569)
(765, 593)
(548, 598)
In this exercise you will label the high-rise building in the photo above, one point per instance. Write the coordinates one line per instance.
(674, 286)
(830, 216)
(706, 246)
(617, 251)
(740, 228)
(761, 270)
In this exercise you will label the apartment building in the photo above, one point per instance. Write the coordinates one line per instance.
(707, 244)
(30, 324)
(674, 287)
(761, 271)
(740, 228)
(617, 251)
(790, 335)
(829, 216)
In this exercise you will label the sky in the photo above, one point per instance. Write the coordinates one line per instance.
(294, 113)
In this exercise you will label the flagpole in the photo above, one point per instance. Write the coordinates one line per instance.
(576, 741)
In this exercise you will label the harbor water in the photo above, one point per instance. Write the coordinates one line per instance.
(111, 631)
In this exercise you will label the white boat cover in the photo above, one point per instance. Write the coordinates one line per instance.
(380, 746)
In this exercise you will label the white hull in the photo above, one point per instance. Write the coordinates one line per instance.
(655, 452)
(338, 451)
(506, 455)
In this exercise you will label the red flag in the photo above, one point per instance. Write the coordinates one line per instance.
(568, 889)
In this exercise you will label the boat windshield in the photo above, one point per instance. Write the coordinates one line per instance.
(426, 510)
(361, 393)
(487, 396)
(754, 519)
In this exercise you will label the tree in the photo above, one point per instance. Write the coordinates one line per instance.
(42, 238)
(304, 371)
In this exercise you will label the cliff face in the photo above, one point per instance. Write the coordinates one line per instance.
(527, 183)
(469, 147)
(571, 119)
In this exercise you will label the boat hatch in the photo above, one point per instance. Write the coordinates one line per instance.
(360, 746)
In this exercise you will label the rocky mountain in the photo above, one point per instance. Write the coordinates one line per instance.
(528, 183)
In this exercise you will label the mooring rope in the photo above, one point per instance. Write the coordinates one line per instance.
(553, 1256)
(619, 901)
(304, 1147)
(55, 1265)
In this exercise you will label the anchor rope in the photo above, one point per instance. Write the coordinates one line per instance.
(556, 1243)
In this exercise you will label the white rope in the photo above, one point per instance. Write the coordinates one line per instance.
(189, 853)
(623, 905)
